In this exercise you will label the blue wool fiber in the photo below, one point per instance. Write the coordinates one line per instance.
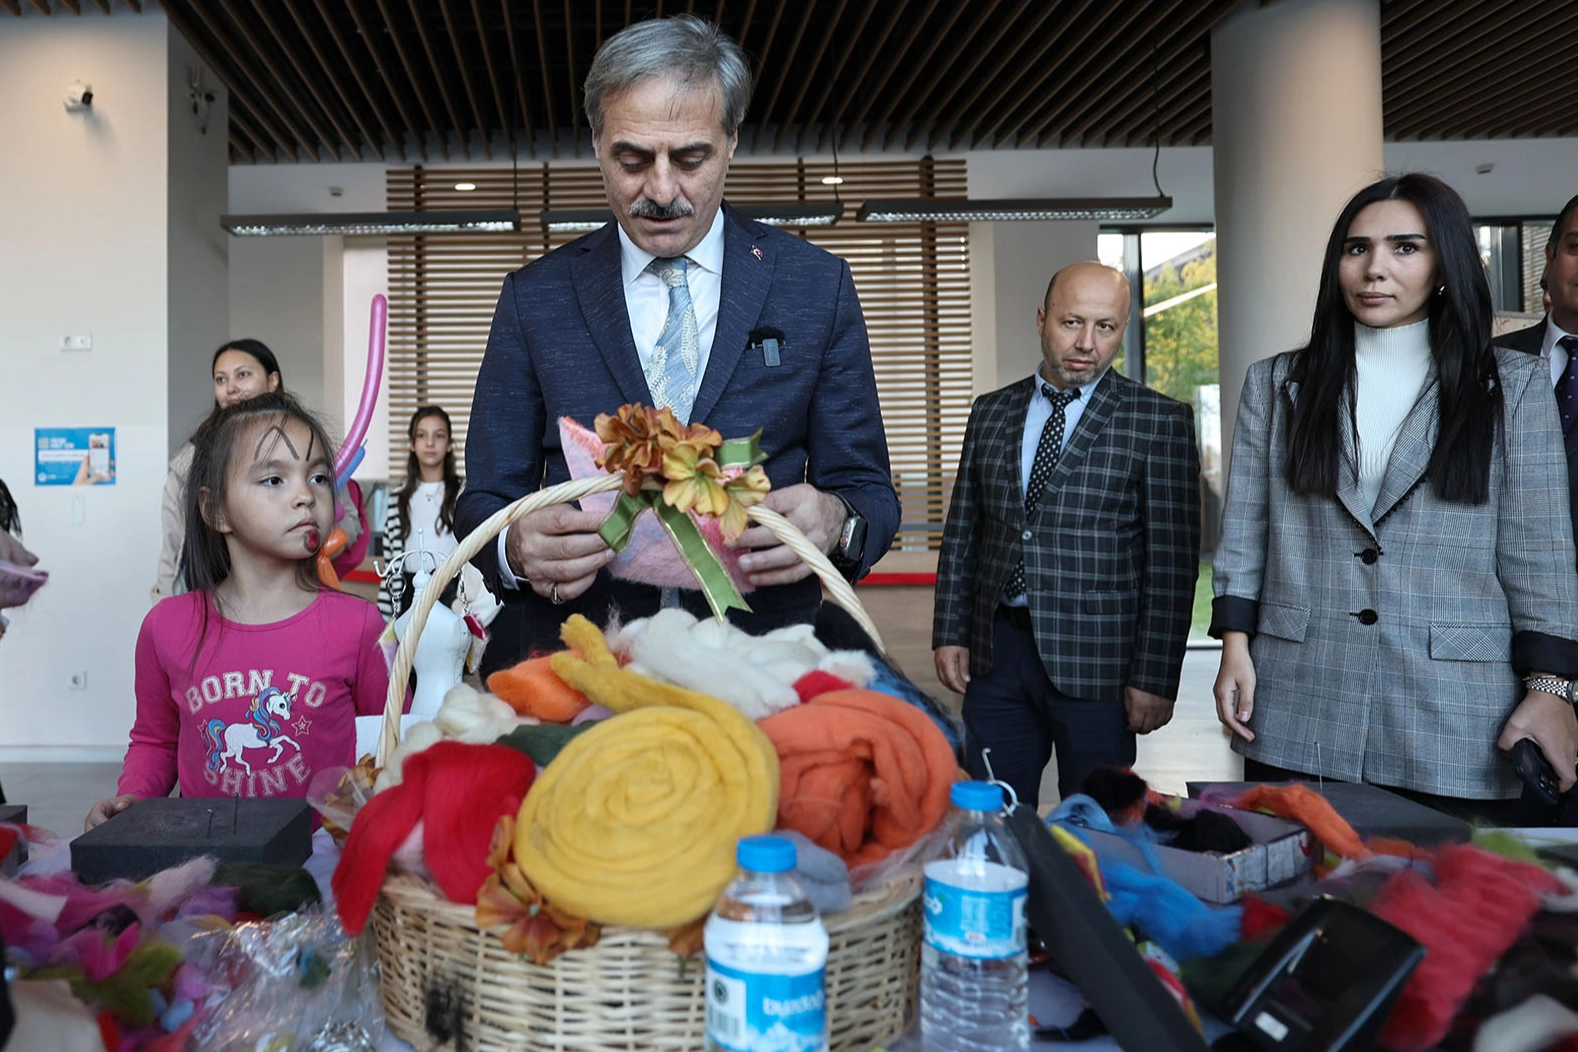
(1083, 812)
(1169, 913)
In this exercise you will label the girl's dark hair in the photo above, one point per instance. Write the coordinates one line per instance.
(257, 349)
(1470, 411)
(205, 558)
(413, 475)
(10, 518)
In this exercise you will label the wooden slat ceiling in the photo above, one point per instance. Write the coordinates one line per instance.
(420, 80)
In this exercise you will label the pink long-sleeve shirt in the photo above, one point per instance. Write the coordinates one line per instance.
(264, 707)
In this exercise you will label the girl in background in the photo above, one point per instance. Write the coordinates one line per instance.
(425, 506)
(250, 683)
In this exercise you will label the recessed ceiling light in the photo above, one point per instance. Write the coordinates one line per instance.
(832, 180)
(436, 221)
(465, 186)
(959, 210)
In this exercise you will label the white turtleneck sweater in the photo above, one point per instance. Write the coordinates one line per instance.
(1392, 368)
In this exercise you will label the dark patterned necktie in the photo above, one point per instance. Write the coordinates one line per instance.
(1567, 385)
(1048, 450)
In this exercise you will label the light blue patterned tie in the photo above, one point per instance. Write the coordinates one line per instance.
(677, 356)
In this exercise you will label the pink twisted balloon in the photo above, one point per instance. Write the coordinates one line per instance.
(377, 341)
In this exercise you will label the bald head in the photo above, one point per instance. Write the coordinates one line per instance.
(1098, 275)
(1081, 323)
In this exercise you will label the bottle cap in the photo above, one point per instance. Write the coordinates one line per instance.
(976, 796)
(766, 854)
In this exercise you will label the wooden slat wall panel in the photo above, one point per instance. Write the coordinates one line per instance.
(913, 281)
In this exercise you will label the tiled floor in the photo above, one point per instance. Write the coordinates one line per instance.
(1191, 747)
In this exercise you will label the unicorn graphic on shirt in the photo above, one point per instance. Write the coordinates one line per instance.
(265, 728)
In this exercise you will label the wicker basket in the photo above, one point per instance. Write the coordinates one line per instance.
(629, 991)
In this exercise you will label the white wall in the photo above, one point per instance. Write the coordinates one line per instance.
(199, 249)
(1010, 265)
(277, 291)
(84, 223)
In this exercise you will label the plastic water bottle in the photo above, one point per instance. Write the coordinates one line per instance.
(766, 958)
(974, 958)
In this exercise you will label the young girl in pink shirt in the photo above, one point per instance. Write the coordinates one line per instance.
(250, 683)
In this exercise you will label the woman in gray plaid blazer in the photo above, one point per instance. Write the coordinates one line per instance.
(1378, 610)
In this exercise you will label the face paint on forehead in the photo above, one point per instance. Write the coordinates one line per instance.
(276, 432)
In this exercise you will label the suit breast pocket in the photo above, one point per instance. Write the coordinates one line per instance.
(1112, 603)
(1470, 641)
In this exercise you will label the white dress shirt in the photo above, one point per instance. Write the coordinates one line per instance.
(1036, 416)
(646, 302)
(1551, 352)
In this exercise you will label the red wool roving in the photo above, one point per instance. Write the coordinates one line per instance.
(458, 792)
(1478, 907)
(817, 682)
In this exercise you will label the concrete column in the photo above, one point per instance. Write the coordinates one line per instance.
(1296, 130)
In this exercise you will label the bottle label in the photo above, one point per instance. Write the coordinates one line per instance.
(751, 1012)
(987, 925)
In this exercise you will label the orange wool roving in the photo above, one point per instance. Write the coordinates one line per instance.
(1303, 804)
(533, 688)
(863, 774)
(1477, 908)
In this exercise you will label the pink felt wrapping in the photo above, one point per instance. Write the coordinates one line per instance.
(18, 583)
(650, 557)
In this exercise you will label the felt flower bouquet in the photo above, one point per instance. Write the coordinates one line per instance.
(676, 469)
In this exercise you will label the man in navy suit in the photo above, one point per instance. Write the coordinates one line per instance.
(1555, 338)
(680, 302)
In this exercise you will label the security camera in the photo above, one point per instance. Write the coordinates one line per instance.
(79, 96)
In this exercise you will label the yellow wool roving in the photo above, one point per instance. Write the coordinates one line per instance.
(635, 822)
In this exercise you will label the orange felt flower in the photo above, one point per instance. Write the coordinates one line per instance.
(533, 926)
(632, 439)
(693, 482)
(742, 490)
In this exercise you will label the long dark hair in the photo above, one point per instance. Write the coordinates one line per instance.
(413, 475)
(10, 518)
(257, 349)
(1470, 413)
(205, 558)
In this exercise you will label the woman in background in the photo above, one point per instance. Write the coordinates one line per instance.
(242, 369)
(422, 512)
(1395, 587)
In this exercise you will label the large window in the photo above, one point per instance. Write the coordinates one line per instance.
(1513, 251)
(913, 280)
(1171, 346)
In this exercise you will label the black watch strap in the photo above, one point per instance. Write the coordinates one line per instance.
(849, 550)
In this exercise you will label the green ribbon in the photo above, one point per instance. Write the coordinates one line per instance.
(714, 579)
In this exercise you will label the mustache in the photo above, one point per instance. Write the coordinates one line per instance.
(646, 208)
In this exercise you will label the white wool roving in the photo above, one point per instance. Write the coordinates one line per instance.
(753, 674)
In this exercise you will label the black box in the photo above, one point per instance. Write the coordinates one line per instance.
(155, 835)
(1372, 811)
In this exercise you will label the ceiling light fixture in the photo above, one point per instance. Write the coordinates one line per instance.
(832, 180)
(436, 221)
(795, 214)
(961, 210)
(465, 187)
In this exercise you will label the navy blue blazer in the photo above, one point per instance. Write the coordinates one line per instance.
(1529, 341)
(561, 346)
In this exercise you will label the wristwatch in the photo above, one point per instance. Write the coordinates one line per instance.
(850, 547)
(1562, 688)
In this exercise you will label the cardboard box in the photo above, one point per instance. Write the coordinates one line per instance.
(1281, 851)
(155, 835)
(1373, 811)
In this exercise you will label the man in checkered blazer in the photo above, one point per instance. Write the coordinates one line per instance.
(1066, 579)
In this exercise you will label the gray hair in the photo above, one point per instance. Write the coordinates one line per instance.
(683, 48)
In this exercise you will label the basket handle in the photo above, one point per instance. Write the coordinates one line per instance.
(841, 590)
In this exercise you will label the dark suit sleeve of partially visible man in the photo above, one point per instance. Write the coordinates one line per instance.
(848, 448)
(1171, 495)
(504, 438)
(957, 561)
